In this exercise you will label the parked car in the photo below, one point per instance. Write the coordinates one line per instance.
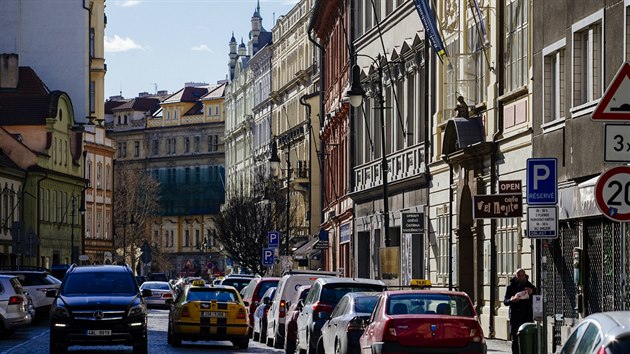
(203, 312)
(287, 286)
(156, 277)
(36, 282)
(341, 333)
(603, 332)
(14, 311)
(290, 323)
(98, 305)
(253, 293)
(59, 270)
(238, 282)
(162, 294)
(423, 321)
(260, 316)
(320, 302)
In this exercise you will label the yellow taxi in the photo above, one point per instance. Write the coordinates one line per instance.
(206, 312)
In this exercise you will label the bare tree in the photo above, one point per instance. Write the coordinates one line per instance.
(136, 200)
(244, 221)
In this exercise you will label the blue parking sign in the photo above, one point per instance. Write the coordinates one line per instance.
(542, 181)
(273, 239)
(267, 256)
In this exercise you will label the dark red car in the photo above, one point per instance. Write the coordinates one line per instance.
(253, 293)
(423, 321)
(290, 325)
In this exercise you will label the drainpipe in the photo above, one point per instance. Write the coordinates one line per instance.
(493, 167)
(309, 128)
(428, 153)
(321, 104)
(89, 11)
(37, 216)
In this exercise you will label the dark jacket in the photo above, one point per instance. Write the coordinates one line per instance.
(520, 311)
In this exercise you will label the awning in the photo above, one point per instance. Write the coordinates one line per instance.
(578, 200)
(306, 249)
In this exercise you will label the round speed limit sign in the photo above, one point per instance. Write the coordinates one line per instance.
(612, 193)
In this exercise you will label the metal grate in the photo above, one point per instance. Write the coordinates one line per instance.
(594, 258)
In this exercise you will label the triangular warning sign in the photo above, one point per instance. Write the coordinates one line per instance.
(615, 104)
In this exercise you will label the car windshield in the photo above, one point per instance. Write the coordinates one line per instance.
(155, 286)
(264, 286)
(364, 304)
(332, 293)
(424, 303)
(99, 283)
(209, 294)
(237, 283)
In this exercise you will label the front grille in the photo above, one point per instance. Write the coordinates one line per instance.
(93, 316)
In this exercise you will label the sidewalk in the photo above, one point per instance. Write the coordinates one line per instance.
(499, 346)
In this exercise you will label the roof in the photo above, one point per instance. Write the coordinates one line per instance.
(216, 91)
(110, 105)
(101, 268)
(7, 163)
(30, 103)
(142, 104)
(187, 94)
(331, 280)
(461, 133)
(614, 323)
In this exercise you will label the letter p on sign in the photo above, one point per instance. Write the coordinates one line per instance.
(542, 181)
(541, 173)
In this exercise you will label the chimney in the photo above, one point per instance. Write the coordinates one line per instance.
(8, 71)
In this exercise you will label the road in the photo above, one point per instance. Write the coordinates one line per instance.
(34, 340)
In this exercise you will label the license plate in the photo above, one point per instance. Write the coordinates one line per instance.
(214, 314)
(99, 332)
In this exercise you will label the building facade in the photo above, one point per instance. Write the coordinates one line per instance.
(12, 194)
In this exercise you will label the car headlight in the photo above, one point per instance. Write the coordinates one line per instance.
(137, 310)
(60, 312)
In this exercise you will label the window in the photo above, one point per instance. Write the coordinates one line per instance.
(92, 96)
(587, 59)
(136, 149)
(92, 43)
(197, 174)
(442, 235)
(197, 239)
(186, 144)
(107, 223)
(187, 175)
(187, 238)
(108, 178)
(507, 245)
(516, 45)
(88, 171)
(450, 98)
(124, 152)
(88, 223)
(197, 143)
(99, 175)
(99, 224)
(553, 79)
(174, 146)
(476, 66)
(156, 147)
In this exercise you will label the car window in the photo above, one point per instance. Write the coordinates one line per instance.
(424, 303)
(364, 304)
(379, 303)
(156, 286)
(341, 307)
(99, 283)
(52, 280)
(17, 287)
(237, 283)
(264, 286)
(589, 339)
(248, 291)
(302, 295)
(332, 293)
(619, 346)
(310, 298)
(570, 344)
(208, 294)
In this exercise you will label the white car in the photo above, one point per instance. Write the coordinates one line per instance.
(14, 312)
(36, 283)
(162, 294)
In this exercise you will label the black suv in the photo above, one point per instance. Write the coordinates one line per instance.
(98, 305)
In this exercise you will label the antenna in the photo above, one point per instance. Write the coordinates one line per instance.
(155, 86)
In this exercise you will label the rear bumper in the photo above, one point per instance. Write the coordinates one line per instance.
(390, 347)
(15, 320)
(196, 331)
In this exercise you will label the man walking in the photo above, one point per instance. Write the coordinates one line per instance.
(518, 297)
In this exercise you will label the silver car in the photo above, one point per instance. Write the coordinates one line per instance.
(162, 294)
(603, 332)
(14, 311)
(36, 283)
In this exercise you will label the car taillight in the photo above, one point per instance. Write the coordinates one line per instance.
(185, 311)
(321, 307)
(167, 296)
(241, 314)
(16, 300)
(602, 350)
(282, 310)
(389, 334)
(476, 335)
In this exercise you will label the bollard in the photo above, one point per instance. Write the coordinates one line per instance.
(527, 335)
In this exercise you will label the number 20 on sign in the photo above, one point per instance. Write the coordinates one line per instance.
(612, 193)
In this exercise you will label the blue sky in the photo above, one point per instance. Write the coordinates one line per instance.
(170, 42)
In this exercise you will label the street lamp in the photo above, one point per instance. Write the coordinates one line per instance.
(131, 222)
(274, 165)
(82, 211)
(356, 94)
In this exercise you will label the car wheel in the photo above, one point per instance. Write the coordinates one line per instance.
(242, 344)
(169, 335)
(320, 347)
(176, 341)
(56, 348)
(278, 342)
(142, 348)
(256, 336)
(289, 346)
(263, 334)
(269, 342)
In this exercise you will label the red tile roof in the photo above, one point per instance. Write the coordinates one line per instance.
(187, 94)
(141, 104)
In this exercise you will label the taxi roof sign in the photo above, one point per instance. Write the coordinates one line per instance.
(198, 282)
(420, 283)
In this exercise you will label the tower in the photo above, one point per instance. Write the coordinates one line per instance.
(233, 56)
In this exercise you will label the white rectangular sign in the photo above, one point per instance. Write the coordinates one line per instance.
(617, 143)
(542, 222)
(537, 307)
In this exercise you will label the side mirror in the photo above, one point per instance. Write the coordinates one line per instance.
(146, 292)
(246, 303)
(266, 300)
(51, 293)
(300, 305)
(323, 315)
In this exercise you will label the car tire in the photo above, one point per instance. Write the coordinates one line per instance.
(278, 342)
(269, 342)
(263, 334)
(175, 340)
(289, 346)
(142, 348)
(242, 344)
(320, 347)
(256, 336)
(169, 335)
(56, 348)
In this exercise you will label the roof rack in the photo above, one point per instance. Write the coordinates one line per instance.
(23, 267)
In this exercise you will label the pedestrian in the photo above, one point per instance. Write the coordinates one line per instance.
(518, 297)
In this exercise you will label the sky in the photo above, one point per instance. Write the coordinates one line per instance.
(162, 44)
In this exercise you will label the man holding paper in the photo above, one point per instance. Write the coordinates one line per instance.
(518, 297)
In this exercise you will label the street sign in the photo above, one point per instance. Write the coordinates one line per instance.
(615, 103)
(612, 193)
(542, 181)
(268, 257)
(495, 206)
(273, 239)
(617, 143)
(412, 223)
(542, 222)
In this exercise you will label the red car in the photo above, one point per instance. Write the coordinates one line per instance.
(253, 293)
(423, 321)
(290, 335)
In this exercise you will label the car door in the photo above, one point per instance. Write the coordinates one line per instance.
(590, 340)
(367, 338)
(571, 343)
(304, 316)
(330, 328)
